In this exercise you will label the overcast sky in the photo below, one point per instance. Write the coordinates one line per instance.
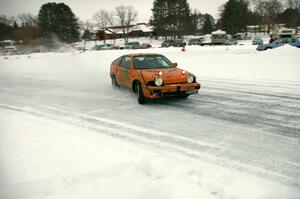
(84, 9)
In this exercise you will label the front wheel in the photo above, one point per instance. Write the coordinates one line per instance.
(139, 93)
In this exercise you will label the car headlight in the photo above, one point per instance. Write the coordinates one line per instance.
(190, 79)
(158, 81)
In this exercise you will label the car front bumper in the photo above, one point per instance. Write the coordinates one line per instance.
(154, 92)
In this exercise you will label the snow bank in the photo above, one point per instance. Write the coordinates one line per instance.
(55, 160)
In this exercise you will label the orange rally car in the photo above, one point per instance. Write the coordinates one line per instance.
(152, 76)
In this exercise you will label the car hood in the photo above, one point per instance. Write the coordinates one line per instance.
(169, 75)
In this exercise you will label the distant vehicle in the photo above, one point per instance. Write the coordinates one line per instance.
(231, 42)
(257, 41)
(279, 42)
(105, 47)
(218, 37)
(97, 47)
(167, 43)
(178, 43)
(7, 47)
(132, 45)
(284, 33)
(80, 48)
(152, 76)
(239, 36)
(145, 46)
(195, 41)
(206, 40)
(110, 47)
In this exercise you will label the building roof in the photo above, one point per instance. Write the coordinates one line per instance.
(218, 32)
(146, 28)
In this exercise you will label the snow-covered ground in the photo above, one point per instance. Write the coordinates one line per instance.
(65, 133)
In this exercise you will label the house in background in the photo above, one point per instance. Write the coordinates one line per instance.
(116, 32)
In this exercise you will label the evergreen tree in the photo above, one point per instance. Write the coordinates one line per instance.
(183, 17)
(58, 19)
(195, 17)
(208, 26)
(6, 28)
(235, 16)
(5, 31)
(15, 25)
(171, 17)
(159, 16)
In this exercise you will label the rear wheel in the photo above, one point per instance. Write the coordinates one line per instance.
(139, 93)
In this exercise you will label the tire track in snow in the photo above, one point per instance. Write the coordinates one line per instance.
(153, 138)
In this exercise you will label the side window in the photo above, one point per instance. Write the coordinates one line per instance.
(125, 62)
(117, 61)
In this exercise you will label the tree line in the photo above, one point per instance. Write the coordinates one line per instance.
(235, 15)
(172, 18)
(57, 20)
(175, 18)
(53, 20)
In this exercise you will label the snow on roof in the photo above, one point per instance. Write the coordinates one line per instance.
(218, 32)
(142, 27)
(119, 30)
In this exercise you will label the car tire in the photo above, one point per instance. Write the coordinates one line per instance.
(114, 82)
(139, 93)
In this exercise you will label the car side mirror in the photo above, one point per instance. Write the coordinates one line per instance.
(175, 65)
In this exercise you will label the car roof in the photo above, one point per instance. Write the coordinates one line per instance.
(141, 54)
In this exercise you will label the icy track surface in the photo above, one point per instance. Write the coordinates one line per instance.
(245, 119)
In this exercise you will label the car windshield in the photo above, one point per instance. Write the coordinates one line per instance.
(151, 62)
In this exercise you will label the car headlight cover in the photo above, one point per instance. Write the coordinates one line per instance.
(158, 81)
(190, 79)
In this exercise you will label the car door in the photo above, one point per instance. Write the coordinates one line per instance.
(123, 72)
(115, 67)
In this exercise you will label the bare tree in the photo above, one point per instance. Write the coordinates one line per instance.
(273, 8)
(102, 19)
(268, 11)
(125, 16)
(27, 19)
(7, 20)
(130, 18)
(111, 18)
(121, 14)
(84, 25)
